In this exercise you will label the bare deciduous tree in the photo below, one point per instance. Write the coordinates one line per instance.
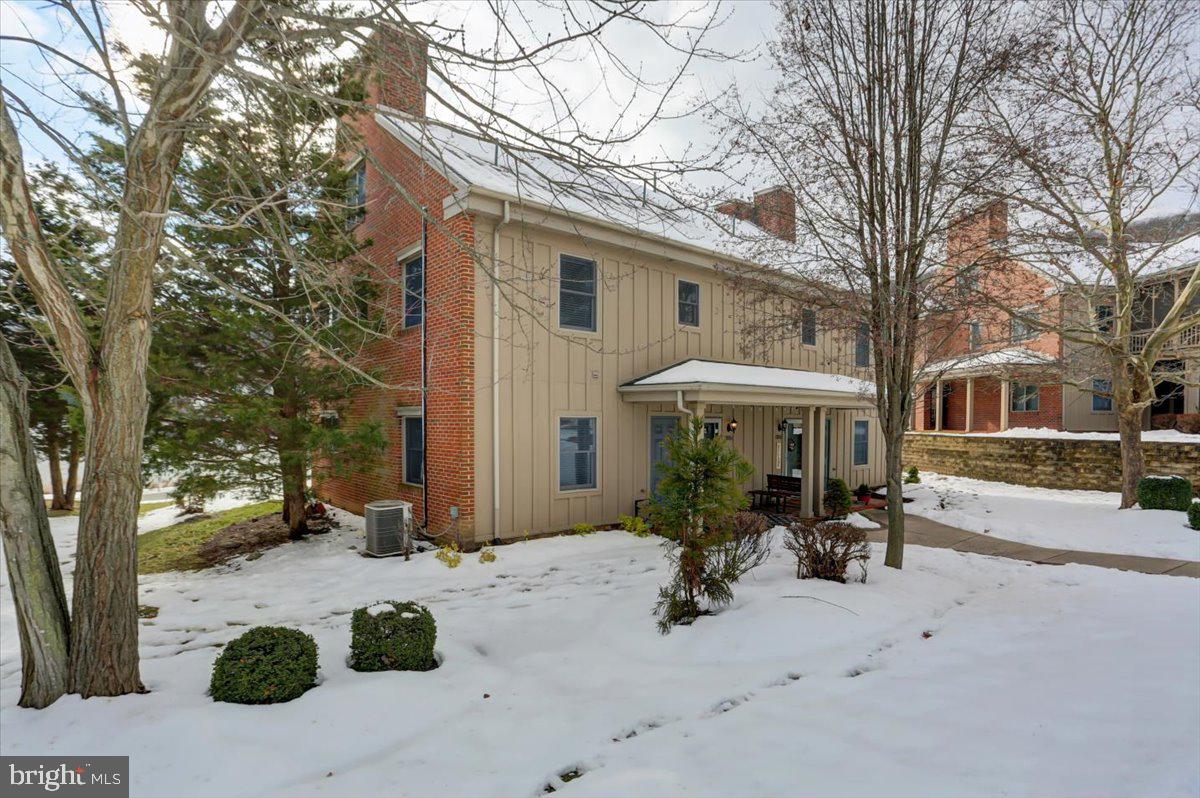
(869, 128)
(1103, 133)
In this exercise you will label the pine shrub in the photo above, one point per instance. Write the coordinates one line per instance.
(837, 498)
(266, 665)
(825, 549)
(1164, 493)
(399, 639)
(1194, 514)
(913, 476)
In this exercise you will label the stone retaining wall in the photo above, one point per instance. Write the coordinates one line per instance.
(1043, 462)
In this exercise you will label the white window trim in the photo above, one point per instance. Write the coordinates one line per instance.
(853, 424)
(699, 306)
(556, 430)
(403, 261)
(1092, 395)
(573, 331)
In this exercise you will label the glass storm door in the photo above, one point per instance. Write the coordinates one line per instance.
(661, 428)
(793, 450)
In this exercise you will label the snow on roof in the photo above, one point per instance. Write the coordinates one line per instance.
(1158, 245)
(534, 177)
(996, 358)
(711, 372)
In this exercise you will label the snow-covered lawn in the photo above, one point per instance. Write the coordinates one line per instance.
(961, 675)
(1085, 520)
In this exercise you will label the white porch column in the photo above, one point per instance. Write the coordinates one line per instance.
(807, 462)
(970, 403)
(937, 408)
(1005, 401)
(818, 480)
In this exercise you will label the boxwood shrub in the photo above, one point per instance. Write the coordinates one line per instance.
(266, 665)
(1164, 493)
(837, 498)
(399, 639)
(1194, 515)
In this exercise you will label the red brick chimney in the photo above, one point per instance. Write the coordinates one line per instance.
(775, 211)
(977, 235)
(401, 64)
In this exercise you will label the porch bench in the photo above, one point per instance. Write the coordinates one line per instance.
(780, 490)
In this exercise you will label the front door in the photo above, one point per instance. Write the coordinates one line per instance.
(661, 428)
(793, 450)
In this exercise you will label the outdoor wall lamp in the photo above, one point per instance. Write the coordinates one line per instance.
(732, 425)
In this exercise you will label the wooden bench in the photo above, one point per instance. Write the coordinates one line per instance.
(780, 489)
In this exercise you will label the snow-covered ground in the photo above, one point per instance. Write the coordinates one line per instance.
(961, 675)
(1149, 436)
(1085, 520)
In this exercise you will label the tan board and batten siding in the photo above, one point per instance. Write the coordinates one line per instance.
(546, 373)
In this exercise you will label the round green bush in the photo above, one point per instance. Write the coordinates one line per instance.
(266, 665)
(837, 498)
(399, 639)
(1164, 493)
(1194, 515)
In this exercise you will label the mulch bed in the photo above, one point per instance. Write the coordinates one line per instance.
(253, 537)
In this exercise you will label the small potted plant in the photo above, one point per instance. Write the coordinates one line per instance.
(863, 493)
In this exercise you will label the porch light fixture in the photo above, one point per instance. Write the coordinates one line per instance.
(732, 425)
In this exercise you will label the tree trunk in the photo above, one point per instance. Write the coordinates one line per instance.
(57, 501)
(894, 556)
(1133, 463)
(43, 625)
(293, 496)
(72, 486)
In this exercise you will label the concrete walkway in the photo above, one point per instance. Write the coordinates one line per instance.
(925, 532)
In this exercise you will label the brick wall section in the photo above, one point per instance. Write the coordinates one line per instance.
(1046, 463)
(1048, 414)
(987, 407)
(396, 185)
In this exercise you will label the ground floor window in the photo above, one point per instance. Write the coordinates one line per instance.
(1024, 398)
(576, 452)
(862, 448)
(414, 450)
(1101, 396)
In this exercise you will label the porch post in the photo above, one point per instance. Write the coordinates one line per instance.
(807, 464)
(937, 408)
(1005, 400)
(970, 403)
(818, 482)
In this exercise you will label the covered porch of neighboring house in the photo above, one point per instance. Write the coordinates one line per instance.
(990, 392)
(790, 424)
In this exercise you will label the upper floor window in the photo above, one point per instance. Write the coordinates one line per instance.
(414, 291)
(577, 293)
(808, 327)
(862, 440)
(357, 191)
(1104, 318)
(974, 335)
(862, 345)
(967, 279)
(1023, 327)
(689, 303)
(1102, 396)
(1024, 398)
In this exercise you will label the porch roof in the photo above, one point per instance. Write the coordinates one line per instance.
(715, 382)
(996, 361)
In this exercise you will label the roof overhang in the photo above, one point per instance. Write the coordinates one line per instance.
(1004, 362)
(742, 384)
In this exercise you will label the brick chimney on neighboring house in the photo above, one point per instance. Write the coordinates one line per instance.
(773, 209)
(400, 62)
(978, 236)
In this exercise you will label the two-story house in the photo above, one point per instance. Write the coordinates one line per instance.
(554, 328)
(992, 370)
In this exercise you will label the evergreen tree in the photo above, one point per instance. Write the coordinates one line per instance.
(698, 494)
(262, 275)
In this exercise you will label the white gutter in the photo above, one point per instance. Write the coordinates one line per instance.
(496, 372)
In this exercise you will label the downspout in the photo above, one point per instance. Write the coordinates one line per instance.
(496, 371)
(680, 405)
(424, 367)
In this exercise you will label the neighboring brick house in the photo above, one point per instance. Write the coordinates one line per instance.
(567, 327)
(992, 371)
